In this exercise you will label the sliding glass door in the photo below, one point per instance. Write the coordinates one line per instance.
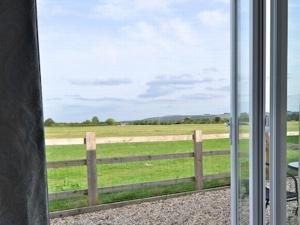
(293, 107)
(247, 112)
(252, 149)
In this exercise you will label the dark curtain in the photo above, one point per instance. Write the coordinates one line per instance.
(23, 189)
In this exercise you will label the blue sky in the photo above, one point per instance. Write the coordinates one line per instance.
(133, 59)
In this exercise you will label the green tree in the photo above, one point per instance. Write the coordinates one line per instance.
(217, 119)
(187, 120)
(49, 122)
(87, 122)
(110, 121)
(95, 120)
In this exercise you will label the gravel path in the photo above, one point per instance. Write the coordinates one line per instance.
(207, 208)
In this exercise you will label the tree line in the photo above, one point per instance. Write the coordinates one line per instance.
(95, 121)
(293, 116)
(110, 122)
(187, 120)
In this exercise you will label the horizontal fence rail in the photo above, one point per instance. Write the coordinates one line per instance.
(67, 163)
(217, 152)
(144, 158)
(114, 160)
(127, 187)
(67, 194)
(146, 185)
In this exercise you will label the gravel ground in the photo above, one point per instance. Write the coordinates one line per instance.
(209, 208)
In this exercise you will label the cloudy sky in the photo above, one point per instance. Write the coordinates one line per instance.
(294, 56)
(133, 59)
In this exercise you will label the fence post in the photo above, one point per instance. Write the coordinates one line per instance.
(90, 141)
(198, 159)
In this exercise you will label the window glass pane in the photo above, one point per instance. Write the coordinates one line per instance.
(243, 110)
(293, 104)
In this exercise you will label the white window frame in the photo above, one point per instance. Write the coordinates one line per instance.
(257, 113)
(278, 110)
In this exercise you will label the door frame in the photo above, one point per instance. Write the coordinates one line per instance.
(256, 111)
(278, 110)
(234, 115)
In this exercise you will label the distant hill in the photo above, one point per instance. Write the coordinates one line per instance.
(178, 118)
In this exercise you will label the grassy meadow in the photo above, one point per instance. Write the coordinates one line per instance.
(74, 178)
(134, 130)
(143, 130)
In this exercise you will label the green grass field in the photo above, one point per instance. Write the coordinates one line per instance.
(143, 130)
(74, 178)
(134, 130)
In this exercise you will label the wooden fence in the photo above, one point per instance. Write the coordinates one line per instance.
(91, 162)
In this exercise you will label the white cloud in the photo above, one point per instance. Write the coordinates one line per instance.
(223, 1)
(182, 30)
(151, 4)
(112, 10)
(148, 36)
(164, 34)
(124, 9)
(213, 18)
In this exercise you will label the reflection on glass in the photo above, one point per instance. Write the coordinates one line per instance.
(243, 103)
(293, 107)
